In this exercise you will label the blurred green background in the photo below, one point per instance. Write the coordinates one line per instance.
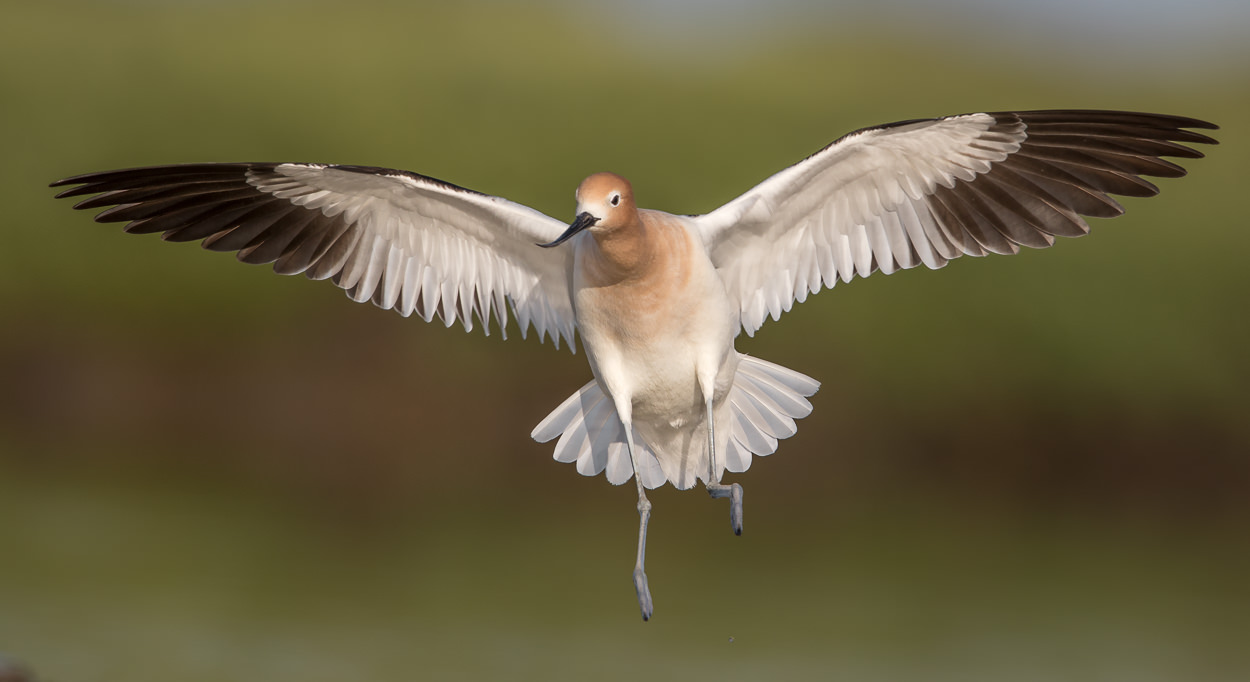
(1025, 468)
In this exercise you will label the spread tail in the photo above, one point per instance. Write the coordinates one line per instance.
(759, 410)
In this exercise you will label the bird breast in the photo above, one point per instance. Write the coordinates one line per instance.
(652, 310)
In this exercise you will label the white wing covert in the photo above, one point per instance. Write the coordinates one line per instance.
(404, 241)
(928, 191)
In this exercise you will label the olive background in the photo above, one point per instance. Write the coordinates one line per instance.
(1028, 468)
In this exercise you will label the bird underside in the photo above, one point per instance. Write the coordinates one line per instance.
(760, 409)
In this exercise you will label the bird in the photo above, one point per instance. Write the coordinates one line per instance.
(659, 299)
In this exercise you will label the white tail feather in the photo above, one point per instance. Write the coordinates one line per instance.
(760, 409)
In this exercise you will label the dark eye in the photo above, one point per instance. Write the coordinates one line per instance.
(616, 199)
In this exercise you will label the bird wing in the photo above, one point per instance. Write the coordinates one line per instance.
(403, 240)
(927, 191)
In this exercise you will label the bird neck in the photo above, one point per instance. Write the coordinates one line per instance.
(620, 254)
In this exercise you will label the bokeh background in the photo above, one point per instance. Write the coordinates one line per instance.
(1024, 468)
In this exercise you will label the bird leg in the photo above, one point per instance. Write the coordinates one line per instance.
(644, 515)
(714, 487)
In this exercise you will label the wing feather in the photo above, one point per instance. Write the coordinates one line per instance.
(402, 240)
(928, 191)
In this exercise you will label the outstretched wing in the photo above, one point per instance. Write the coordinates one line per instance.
(402, 240)
(927, 191)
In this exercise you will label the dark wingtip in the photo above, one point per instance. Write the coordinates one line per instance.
(1203, 139)
(86, 178)
(78, 181)
(1187, 122)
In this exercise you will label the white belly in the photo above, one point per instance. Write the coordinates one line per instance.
(657, 374)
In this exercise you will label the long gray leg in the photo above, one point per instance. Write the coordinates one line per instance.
(644, 515)
(714, 487)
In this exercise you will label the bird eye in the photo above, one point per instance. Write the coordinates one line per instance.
(615, 199)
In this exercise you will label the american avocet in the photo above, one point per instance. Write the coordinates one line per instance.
(659, 298)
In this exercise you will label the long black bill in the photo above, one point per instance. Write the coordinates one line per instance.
(583, 221)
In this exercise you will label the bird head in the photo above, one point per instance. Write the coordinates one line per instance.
(605, 201)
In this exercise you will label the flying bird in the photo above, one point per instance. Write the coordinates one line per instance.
(660, 298)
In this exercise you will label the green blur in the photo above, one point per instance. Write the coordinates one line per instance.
(1018, 468)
